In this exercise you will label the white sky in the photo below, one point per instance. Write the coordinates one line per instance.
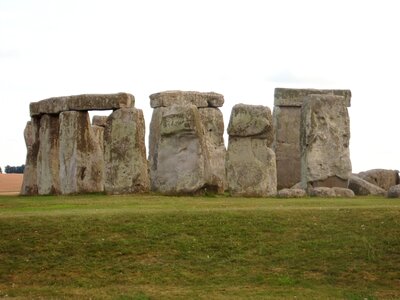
(241, 49)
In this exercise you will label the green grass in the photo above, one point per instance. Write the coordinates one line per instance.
(154, 247)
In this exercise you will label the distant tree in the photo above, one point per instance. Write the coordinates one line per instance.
(19, 170)
(1, 171)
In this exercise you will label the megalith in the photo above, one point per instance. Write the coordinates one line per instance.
(80, 155)
(126, 169)
(324, 140)
(287, 119)
(98, 124)
(186, 148)
(250, 162)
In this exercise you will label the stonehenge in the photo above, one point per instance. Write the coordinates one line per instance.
(300, 149)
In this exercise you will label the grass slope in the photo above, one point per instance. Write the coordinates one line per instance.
(152, 247)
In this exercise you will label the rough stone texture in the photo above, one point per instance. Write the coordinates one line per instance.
(99, 121)
(287, 116)
(126, 168)
(295, 97)
(324, 140)
(179, 162)
(31, 135)
(292, 193)
(213, 124)
(83, 102)
(343, 192)
(324, 192)
(381, 177)
(251, 120)
(361, 187)
(297, 186)
(81, 161)
(250, 167)
(98, 132)
(394, 191)
(48, 165)
(198, 99)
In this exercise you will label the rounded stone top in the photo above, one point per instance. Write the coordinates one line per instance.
(176, 97)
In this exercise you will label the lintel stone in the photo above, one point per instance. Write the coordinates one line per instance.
(295, 97)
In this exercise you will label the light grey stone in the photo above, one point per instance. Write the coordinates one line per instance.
(394, 191)
(99, 121)
(381, 177)
(31, 135)
(126, 169)
(98, 132)
(48, 164)
(81, 160)
(251, 121)
(361, 187)
(295, 97)
(292, 193)
(343, 192)
(250, 167)
(324, 140)
(83, 102)
(324, 192)
(198, 99)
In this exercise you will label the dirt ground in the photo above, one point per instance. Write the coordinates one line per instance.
(10, 184)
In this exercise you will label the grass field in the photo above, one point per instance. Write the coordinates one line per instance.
(153, 247)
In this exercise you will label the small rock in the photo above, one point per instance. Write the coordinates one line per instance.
(343, 193)
(323, 192)
(292, 193)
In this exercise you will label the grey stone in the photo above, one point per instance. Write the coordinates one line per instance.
(324, 140)
(381, 177)
(361, 187)
(250, 167)
(31, 135)
(126, 169)
(295, 97)
(292, 193)
(81, 160)
(394, 191)
(343, 192)
(198, 99)
(213, 124)
(83, 102)
(251, 121)
(98, 132)
(48, 164)
(178, 153)
(324, 192)
(99, 121)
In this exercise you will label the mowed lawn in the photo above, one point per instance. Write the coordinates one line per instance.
(154, 247)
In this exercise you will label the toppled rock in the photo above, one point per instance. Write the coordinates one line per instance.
(381, 177)
(394, 191)
(343, 192)
(198, 99)
(335, 192)
(361, 187)
(324, 139)
(126, 168)
(292, 193)
(83, 102)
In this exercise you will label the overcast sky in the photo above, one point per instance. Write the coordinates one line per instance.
(241, 49)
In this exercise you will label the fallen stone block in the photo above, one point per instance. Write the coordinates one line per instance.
(361, 187)
(381, 177)
(292, 193)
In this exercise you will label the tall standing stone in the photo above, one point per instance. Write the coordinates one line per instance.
(81, 162)
(48, 164)
(325, 137)
(287, 118)
(250, 162)
(126, 169)
(31, 135)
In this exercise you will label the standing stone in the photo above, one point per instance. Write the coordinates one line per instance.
(178, 154)
(325, 136)
(250, 163)
(213, 124)
(81, 163)
(31, 135)
(126, 168)
(287, 116)
(98, 124)
(48, 164)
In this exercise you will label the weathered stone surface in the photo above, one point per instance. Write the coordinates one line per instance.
(295, 97)
(292, 193)
(381, 177)
(250, 167)
(213, 124)
(98, 133)
(126, 168)
(394, 191)
(99, 121)
(324, 140)
(251, 121)
(198, 99)
(324, 192)
(297, 186)
(83, 102)
(48, 165)
(287, 145)
(361, 187)
(178, 155)
(81, 161)
(343, 192)
(31, 135)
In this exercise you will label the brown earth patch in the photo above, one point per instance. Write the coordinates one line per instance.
(10, 184)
